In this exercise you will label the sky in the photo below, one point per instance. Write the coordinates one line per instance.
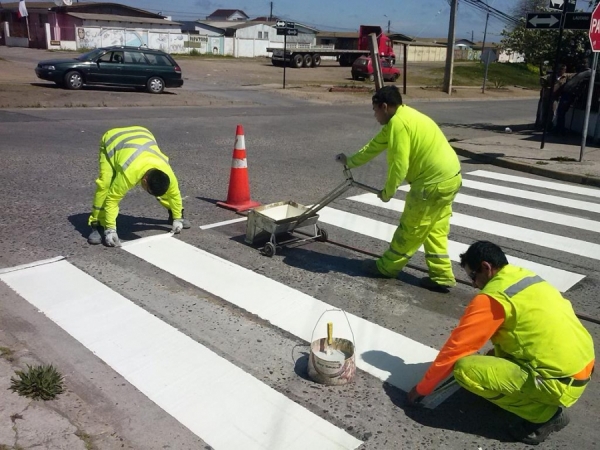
(416, 18)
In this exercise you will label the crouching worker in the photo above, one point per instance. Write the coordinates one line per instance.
(128, 157)
(542, 359)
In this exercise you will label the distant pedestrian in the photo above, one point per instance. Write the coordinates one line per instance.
(551, 86)
(418, 152)
(129, 157)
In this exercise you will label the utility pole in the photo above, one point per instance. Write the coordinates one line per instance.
(450, 49)
(472, 36)
(271, 13)
(389, 23)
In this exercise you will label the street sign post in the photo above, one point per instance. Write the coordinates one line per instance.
(545, 21)
(287, 32)
(577, 21)
(594, 35)
(560, 5)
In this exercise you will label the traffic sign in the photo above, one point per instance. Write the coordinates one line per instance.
(594, 32)
(577, 21)
(559, 4)
(287, 32)
(284, 24)
(546, 21)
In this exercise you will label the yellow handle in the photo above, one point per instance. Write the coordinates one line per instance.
(330, 333)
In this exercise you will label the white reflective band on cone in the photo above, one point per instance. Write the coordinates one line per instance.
(239, 163)
(240, 143)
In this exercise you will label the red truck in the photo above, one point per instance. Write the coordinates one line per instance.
(305, 55)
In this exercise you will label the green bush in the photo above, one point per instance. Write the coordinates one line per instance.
(38, 383)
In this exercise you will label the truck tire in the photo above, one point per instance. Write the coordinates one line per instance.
(307, 60)
(316, 60)
(276, 63)
(297, 60)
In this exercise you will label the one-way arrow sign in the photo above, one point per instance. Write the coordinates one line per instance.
(280, 24)
(543, 20)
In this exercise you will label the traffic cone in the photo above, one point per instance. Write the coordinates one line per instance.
(238, 196)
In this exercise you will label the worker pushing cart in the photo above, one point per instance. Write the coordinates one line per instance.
(417, 151)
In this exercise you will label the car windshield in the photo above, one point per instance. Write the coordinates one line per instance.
(90, 55)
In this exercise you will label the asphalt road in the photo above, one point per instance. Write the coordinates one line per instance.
(50, 163)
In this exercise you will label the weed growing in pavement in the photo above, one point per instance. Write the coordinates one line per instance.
(563, 159)
(41, 382)
(7, 354)
(498, 84)
(542, 163)
(86, 438)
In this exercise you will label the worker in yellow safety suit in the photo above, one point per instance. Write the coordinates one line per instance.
(130, 156)
(418, 152)
(542, 359)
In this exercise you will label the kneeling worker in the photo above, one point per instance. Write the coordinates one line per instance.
(543, 357)
(128, 157)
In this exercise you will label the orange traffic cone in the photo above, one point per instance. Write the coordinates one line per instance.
(238, 196)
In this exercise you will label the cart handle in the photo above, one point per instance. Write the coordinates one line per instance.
(339, 190)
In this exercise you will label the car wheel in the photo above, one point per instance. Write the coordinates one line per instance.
(371, 78)
(155, 85)
(73, 80)
(394, 77)
(355, 77)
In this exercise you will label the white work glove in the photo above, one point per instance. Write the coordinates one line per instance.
(341, 158)
(383, 197)
(112, 238)
(177, 226)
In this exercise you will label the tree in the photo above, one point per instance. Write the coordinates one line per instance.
(539, 46)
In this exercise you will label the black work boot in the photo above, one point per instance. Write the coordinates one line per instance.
(186, 223)
(431, 285)
(536, 433)
(95, 237)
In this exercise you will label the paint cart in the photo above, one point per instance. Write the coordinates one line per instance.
(273, 220)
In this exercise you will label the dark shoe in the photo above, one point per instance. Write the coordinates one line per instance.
(95, 238)
(370, 269)
(536, 433)
(431, 285)
(186, 223)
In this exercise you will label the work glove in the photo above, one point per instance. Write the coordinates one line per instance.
(177, 226)
(112, 238)
(384, 198)
(341, 158)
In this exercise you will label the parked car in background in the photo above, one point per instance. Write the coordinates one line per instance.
(363, 69)
(138, 67)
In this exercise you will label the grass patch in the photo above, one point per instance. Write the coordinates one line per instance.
(542, 163)
(38, 383)
(499, 74)
(7, 354)
(563, 159)
(86, 438)
(194, 54)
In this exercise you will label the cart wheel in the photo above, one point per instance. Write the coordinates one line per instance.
(269, 250)
(323, 235)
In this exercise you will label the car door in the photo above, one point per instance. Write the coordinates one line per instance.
(135, 68)
(109, 68)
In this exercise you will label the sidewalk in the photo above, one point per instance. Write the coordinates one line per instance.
(520, 150)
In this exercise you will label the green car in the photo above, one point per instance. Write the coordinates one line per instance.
(139, 67)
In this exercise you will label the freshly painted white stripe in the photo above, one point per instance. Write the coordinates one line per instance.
(538, 183)
(561, 279)
(220, 224)
(240, 142)
(528, 195)
(219, 402)
(524, 211)
(37, 263)
(389, 356)
(548, 240)
(239, 163)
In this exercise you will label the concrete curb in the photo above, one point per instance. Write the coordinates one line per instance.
(529, 168)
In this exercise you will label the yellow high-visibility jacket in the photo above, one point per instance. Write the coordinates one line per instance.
(417, 149)
(540, 331)
(126, 154)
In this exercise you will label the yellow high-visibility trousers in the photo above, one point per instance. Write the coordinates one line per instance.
(425, 221)
(515, 388)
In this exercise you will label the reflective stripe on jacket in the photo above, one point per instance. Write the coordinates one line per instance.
(540, 330)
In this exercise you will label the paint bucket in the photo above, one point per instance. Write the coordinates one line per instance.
(332, 360)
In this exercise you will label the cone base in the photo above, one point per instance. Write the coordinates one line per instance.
(240, 206)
